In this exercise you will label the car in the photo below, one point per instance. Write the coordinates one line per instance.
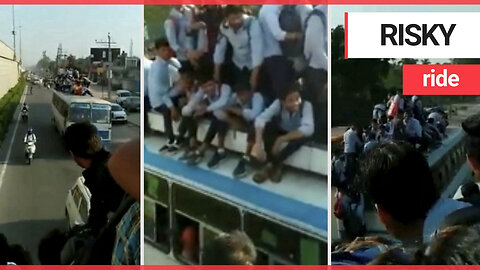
(118, 113)
(122, 95)
(77, 205)
(131, 104)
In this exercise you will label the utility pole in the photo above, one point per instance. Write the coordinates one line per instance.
(20, 45)
(13, 33)
(109, 43)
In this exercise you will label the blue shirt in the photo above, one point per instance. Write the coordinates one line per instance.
(127, 245)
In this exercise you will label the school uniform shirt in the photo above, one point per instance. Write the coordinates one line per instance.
(437, 214)
(315, 38)
(251, 109)
(413, 128)
(219, 100)
(147, 63)
(246, 42)
(176, 32)
(300, 121)
(352, 142)
(160, 83)
(272, 33)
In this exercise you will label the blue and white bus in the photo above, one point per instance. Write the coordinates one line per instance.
(287, 221)
(69, 109)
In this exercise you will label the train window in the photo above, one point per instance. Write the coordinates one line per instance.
(162, 228)
(284, 243)
(214, 212)
(156, 188)
(149, 220)
(262, 258)
(186, 239)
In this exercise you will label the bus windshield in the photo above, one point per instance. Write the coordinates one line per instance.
(79, 112)
(100, 114)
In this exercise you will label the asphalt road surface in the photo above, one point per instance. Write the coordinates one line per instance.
(32, 197)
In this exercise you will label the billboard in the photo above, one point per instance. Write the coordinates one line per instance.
(101, 54)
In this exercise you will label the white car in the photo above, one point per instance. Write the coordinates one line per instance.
(122, 95)
(77, 206)
(118, 113)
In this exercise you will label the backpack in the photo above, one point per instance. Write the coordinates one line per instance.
(290, 21)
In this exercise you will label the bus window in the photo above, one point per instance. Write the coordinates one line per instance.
(186, 240)
(156, 188)
(149, 219)
(79, 112)
(162, 227)
(214, 212)
(282, 244)
(262, 258)
(100, 114)
(207, 236)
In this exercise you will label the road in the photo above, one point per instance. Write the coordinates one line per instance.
(32, 198)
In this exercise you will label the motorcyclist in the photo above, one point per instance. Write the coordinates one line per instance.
(29, 137)
(25, 108)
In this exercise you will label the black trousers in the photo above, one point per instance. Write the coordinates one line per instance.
(270, 134)
(277, 74)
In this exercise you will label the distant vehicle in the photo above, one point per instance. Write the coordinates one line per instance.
(122, 95)
(118, 113)
(77, 205)
(69, 109)
(132, 103)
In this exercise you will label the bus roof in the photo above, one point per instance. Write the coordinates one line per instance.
(300, 201)
(80, 99)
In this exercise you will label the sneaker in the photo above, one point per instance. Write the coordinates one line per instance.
(166, 146)
(195, 159)
(173, 148)
(216, 159)
(241, 169)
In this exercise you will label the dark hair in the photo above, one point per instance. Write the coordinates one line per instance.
(456, 245)
(397, 177)
(473, 147)
(294, 87)
(470, 189)
(233, 9)
(82, 139)
(50, 248)
(161, 42)
(400, 112)
(230, 249)
(204, 72)
(19, 255)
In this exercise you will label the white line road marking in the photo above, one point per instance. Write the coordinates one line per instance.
(4, 166)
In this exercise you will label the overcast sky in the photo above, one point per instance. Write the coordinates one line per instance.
(76, 27)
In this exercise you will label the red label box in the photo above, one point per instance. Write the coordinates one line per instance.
(441, 79)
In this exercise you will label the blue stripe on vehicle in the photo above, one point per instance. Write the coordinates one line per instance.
(284, 206)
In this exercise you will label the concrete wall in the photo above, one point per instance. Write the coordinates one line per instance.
(8, 69)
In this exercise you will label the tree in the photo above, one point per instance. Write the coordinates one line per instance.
(71, 61)
(357, 84)
(44, 62)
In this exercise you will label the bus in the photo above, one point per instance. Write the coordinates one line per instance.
(69, 109)
(449, 169)
(286, 221)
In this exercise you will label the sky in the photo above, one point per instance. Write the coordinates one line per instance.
(43, 28)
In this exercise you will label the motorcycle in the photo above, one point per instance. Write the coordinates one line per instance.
(25, 115)
(30, 151)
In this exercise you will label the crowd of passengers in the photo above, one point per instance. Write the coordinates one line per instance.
(423, 227)
(398, 118)
(73, 82)
(265, 76)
